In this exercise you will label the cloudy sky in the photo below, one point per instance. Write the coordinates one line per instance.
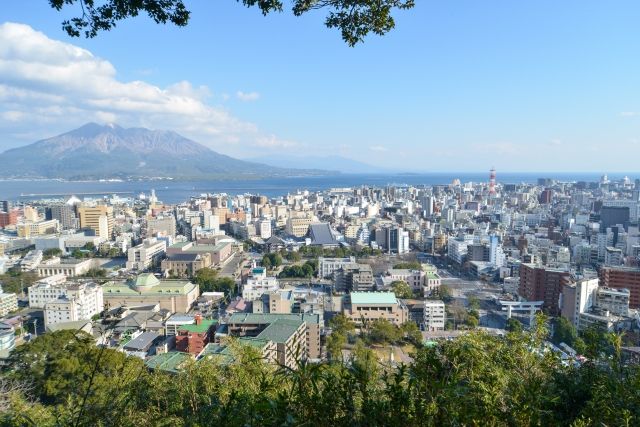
(529, 86)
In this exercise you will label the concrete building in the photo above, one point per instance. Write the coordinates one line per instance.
(177, 296)
(38, 228)
(298, 226)
(623, 278)
(543, 284)
(162, 225)
(47, 289)
(97, 218)
(578, 298)
(326, 266)
(185, 264)
(80, 301)
(362, 307)
(8, 303)
(65, 214)
(435, 315)
(297, 335)
(219, 252)
(258, 283)
(358, 277)
(66, 266)
(415, 278)
(194, 337)
(146, 255)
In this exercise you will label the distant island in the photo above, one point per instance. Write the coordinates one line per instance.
(98, 152)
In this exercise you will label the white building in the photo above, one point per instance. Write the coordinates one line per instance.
(8, 303)
(258, 284)
(415, 278)
(434, 315)
(47, 289)
(326, 266)
(146, 254)
(263, 228)
(31, 260)
(80, 301)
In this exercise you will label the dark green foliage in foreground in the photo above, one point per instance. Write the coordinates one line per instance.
(475, 380)
(354, 18)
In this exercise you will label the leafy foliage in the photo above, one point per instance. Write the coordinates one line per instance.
(272, 260)
(401, 289)
(15, 280)
(412, 265)
(209, 281)
(476, 379)
(306, 270)
(354, 18)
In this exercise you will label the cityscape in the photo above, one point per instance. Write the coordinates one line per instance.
(225, 214)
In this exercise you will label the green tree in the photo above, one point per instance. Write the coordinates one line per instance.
(412, 332)
(445, 294)
(514, 325)
(209, 281)
(473, 302)
(564, 331)
(51, 252)
(382, 331)
(354, 18)
(401, 289)
(411, 265)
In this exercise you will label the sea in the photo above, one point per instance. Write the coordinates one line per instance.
(175, 191)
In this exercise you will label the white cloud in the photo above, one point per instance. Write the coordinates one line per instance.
(49, 86)
(556, 142)
(271, 141)
(247, 96)
(630, 113)
(378, 148)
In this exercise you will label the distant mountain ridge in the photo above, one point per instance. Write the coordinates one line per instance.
(329, 163)
(96, 151)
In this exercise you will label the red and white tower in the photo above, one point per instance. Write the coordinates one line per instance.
(492, 182)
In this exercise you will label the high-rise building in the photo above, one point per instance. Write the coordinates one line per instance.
(623, 278)
(97, 218)
(65, 214)
(543, 284)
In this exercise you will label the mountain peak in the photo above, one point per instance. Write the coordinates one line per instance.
(109, 150)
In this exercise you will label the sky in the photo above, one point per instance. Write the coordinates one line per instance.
(460, 85)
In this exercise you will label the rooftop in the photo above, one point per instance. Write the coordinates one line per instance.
(281, 330)
(170, 362)
(263, 319)
(369, 298)
(203, 327)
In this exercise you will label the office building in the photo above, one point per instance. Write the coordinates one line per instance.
(97, 218)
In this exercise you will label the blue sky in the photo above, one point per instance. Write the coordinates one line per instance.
(458, 85)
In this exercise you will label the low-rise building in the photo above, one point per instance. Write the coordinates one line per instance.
(68, 267)
(363, 307)
(192, 338)
(185, 264)
(258, 283)
(173, 295)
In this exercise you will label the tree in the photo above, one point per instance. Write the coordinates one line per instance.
(51, 252)
(272, 260)
(412, 265)
(513, 325)
(473, 302)
(401, 289)
(354, 18)
(564, 331)
(209, 281)
(382, 331)
(444, 292)
(412, 332)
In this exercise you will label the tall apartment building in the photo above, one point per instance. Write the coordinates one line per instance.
(298, 226)
(356, 277)
(434, 315)
(97, 218)
(146, 255)
(623, 278)
(80, 301)
(543, 284)
(8, 303)
(65, 214)
(163, 224)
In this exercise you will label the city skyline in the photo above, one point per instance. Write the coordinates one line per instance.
(537, 88)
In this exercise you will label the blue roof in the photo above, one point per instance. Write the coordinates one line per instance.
(321, 234)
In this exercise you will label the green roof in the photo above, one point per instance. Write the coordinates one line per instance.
(263, 319)
(204, 326)
(223, 352)
(147, 280)
(163, 287)
(432, 275)
(171, 361)
(373, 298)
(280, 330)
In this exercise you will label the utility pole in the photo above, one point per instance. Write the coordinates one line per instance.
(35, 327)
